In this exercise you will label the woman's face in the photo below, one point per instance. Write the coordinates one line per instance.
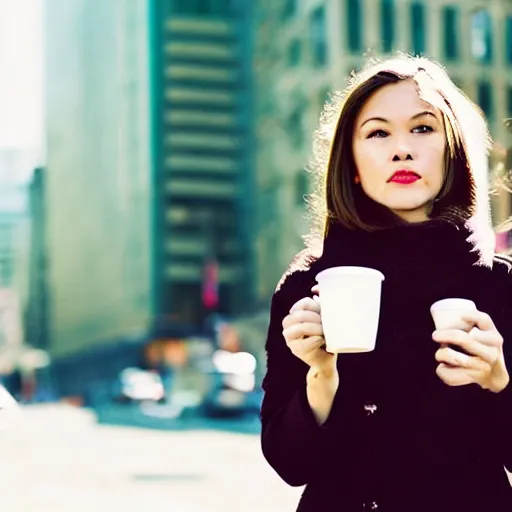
(399, 150)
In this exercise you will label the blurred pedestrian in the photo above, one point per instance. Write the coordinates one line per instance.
(424, 421)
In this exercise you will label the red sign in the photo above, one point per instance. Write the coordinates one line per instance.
(211, 284)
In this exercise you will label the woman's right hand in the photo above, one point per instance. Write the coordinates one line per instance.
(304, 335)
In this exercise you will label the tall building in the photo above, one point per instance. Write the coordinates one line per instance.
(147, 183)
(306, 49)
(12, 229)
(202, 119)
(97, 174)
(15, 166)
(14, 232)
(37, 306)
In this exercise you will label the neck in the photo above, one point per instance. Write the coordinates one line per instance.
(412, 216)
(431, 242)
(417, 260)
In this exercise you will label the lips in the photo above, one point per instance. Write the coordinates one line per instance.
(405, 177)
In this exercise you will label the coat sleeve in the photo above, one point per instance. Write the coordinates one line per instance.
(503, 400)
(503, 408)
(293, 443)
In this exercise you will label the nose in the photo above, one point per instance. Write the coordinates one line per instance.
(402, 151)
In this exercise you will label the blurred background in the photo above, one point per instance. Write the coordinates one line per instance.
(152, 185)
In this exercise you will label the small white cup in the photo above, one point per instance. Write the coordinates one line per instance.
(350, 301)
(447, 313)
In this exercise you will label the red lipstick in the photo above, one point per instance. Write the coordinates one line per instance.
(404, 177)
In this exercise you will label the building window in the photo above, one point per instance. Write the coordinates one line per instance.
(450, 32)
(318, 37)
(458, 82)
(354, 25)
(301, 187)
(324, 96)
(289, 9)
(485, 99)
(508, 39)
(294, 53)
(295, 131)
(387, 27)
(418, 23)
(481, 36)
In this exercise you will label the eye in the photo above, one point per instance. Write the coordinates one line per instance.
(377, 134)
(423, 129)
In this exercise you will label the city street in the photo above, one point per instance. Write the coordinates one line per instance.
(58, 459)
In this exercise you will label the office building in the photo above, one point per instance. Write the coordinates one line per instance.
(147, 183)
(202, 129)
(97, 174)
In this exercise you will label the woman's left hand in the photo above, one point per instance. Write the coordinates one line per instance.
(485, 364)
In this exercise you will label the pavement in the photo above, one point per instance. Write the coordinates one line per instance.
(58, 458)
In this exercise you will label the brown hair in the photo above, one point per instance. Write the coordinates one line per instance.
(338, 200)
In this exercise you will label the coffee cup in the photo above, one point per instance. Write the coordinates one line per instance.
(350, 304)
(448, 313)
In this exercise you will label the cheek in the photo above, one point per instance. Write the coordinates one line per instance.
(367, 161)
(436, 164)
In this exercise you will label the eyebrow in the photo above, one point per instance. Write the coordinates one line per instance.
(416, 116)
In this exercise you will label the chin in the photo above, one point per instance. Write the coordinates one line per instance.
(410, 204)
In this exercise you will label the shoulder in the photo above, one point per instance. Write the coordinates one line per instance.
(495, 285)
(502, 265)
(500, 271)
(300, 273)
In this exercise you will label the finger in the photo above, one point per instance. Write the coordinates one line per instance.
(466, 342)
(482, 320)
(302, 315)
(302, 330)
(490, 338)
(306, 346)
(306, 303)
(456, 376)
(457, 360)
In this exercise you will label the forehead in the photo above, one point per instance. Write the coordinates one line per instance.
(394, 101)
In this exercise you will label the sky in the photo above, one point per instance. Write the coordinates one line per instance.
(21, 74)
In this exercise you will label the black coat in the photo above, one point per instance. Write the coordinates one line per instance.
(398, 439)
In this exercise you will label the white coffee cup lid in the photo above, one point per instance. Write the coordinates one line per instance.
(350, 271)
(452, 304)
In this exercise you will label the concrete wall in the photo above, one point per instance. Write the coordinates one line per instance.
(98, 193)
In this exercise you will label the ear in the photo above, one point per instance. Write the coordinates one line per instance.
(357, 179)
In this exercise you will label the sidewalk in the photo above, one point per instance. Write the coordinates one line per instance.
(60, 460)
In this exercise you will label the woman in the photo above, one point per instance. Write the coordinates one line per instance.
(424, 422)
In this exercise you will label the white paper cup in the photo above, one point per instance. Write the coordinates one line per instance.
(447, 313)
(350, 301)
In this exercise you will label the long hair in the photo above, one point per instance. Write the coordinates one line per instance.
(465, 191)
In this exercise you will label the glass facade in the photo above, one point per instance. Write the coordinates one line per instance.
(481, 36)
(485, 99)
(418, 28)
(202, 172)
(387, 19)
(318, 36)
(294, 53)
(354, 28)
(450, 17)
(508, 39)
